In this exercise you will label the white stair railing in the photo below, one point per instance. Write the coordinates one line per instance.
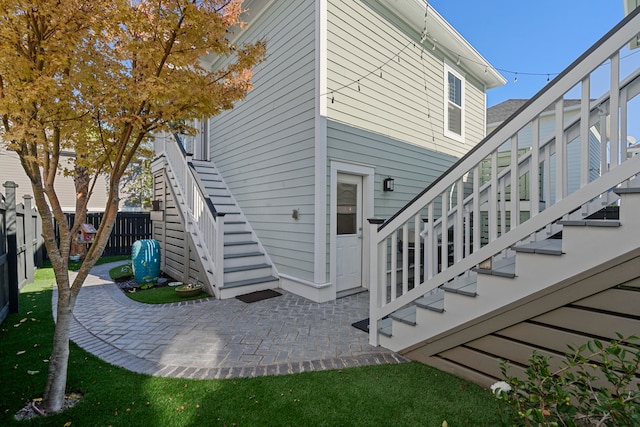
(205, 225)
(505, 191)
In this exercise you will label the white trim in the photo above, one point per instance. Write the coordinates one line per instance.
(320, 200)
(448, 68)
(368, 179)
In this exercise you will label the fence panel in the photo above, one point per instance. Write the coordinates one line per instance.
(19, 243)
(129, 227)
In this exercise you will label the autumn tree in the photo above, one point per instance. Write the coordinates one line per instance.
(98, 78)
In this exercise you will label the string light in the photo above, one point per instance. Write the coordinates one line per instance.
(426, 38)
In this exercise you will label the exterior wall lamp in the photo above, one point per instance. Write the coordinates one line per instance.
(156, 205)
(387, 184)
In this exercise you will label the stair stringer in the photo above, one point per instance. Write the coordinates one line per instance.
(501, 301)
(205, 277)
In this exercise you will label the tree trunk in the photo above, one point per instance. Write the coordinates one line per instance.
(54, 392)
(81, 181)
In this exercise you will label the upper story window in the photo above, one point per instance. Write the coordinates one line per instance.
(453, 103)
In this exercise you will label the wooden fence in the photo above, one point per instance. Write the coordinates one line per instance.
(21, 247)
(129, 227)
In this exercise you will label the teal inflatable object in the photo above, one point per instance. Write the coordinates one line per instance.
(145, 258)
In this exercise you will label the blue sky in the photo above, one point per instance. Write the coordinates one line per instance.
(542, 36)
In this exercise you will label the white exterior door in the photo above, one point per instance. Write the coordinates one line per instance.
(348, 232)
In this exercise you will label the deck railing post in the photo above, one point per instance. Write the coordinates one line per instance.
(28, 238)
(375, 289)
(218, 256)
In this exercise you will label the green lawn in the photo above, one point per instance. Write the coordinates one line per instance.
(161, 295)
(394, 395)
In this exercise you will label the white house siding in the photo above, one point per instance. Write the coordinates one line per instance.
(264, 147)
(407, 102)
(413, 168)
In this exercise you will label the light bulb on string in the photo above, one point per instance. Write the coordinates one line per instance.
(515, 79)
(547, 77)
(358, 85)
(458, 61)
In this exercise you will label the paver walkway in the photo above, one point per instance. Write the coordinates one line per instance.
(221, 338)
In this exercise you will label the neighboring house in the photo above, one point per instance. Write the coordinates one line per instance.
(353, 95)
(12, 171)
(498, 114)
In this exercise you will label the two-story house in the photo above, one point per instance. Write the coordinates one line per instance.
(359, 106)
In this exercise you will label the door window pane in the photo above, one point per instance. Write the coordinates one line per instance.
(347, 208)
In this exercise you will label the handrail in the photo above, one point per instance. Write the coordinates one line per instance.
(444, 222)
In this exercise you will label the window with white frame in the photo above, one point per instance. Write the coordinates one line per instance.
(453, 103)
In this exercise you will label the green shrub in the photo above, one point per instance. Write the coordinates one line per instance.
(574, 395)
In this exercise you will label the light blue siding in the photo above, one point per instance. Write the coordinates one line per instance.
(264, 147)
(413, 168)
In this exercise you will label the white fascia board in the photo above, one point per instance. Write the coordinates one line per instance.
(445, 38)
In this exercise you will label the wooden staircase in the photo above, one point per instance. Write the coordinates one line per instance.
(247, 268)
(461, 261)
(517, 287)
(230, 257)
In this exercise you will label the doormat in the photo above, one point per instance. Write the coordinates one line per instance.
(258, 295)
(363, 325)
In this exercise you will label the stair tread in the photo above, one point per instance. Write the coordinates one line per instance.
(548, 247)
(405, 315)
(433, 302)
(246, 282)
(242, 255)
(244, 242)
(591, 222)
(246, 267)
(385, 326)
(463, 285)
(505, 267)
